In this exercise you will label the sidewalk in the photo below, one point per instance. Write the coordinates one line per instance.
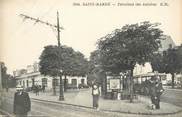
(170, 88)
(84, 98)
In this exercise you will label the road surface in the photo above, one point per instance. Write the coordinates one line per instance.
(173, 96)
(48, 109)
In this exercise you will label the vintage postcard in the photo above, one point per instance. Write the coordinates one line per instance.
(91, 58)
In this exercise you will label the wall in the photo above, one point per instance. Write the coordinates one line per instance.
(38, 80)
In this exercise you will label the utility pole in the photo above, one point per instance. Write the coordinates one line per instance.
(37, 20)
(58, 29)
(61, 95)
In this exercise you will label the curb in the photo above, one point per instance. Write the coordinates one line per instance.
(140, 113)
(173, 89)
(63, 103)
(106, 110)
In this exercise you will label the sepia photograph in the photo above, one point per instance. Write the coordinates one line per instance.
(90, 58)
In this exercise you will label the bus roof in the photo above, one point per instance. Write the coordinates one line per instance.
(150, 74)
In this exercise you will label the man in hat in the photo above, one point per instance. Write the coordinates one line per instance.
(155, 92)
(22, 104)
(95, 94)
(159, 91)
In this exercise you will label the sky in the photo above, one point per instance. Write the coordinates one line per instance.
(21, 42)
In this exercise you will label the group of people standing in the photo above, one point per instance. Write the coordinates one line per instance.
(156, 90)
(37, 88)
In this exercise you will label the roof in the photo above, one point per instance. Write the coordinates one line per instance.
(28, 75)
(149, 75)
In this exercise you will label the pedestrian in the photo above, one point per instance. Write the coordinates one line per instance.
(95, 94)
(159, 91)
(22, 104)
(156, 92)
(33, 88)
(36, 90)
(153, 95)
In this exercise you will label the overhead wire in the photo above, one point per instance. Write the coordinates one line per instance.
(34, 8)
(19, 27)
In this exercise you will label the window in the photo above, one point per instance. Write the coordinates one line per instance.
(27, 83)
(82, 81)
(54, 82)
(33, 82)
(73, 81)
(44, 82)
(23, 83)
(66, 81)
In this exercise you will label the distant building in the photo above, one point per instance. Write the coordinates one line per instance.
(147, 69)
(165, 44)
(31, 76)
(142, 69)
(179, 79)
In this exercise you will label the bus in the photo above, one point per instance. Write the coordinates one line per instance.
(142, 82)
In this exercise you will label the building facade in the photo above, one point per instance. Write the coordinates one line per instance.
(31, 76)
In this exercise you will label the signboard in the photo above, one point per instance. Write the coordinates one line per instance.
(114, 84)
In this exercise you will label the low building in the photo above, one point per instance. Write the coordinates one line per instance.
(33, 77)
(179, 80)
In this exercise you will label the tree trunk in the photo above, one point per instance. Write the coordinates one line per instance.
(104, 86)
(131, 86)
(65, 83)
(172, 80)
(7, 85)
(54, 87)
(61, 93)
